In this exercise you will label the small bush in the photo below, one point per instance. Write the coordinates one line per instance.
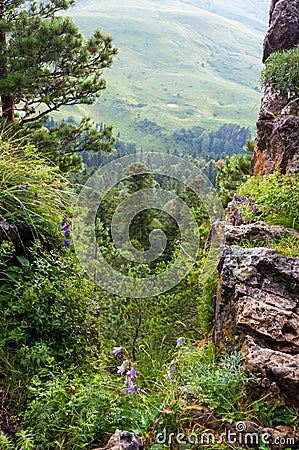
(277, 197)
(47, 311)
(282, 69)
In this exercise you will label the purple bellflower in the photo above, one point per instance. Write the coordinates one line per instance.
(116, 351)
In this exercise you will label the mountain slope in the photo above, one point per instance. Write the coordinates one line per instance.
(181, 63)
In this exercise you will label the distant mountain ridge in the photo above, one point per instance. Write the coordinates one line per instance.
(182, 63)
(252, 12)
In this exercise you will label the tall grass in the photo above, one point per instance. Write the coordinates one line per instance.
(32, 191)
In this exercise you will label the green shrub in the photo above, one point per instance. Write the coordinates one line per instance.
(217, 382)
(70, 413)
(277, 197)
(230, 175)
(282, 69)
(48, 310)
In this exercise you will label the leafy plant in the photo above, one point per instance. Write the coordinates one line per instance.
(49, 313)
(5, 442)
(282, 69)
(71, 412)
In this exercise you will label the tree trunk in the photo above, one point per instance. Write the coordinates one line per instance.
(7, 103)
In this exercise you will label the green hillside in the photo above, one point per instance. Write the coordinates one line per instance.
(180, 64)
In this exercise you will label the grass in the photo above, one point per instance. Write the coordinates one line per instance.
(286, 245)
(205, 61)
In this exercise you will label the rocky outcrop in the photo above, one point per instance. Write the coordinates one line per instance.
(258, 232)
(283, 30)
(124, 440)
(277, 143)
(257, 309)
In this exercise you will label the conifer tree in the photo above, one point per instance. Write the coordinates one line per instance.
(46, 63)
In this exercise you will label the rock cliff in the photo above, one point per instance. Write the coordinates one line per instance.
(277, 143)
(283, 30)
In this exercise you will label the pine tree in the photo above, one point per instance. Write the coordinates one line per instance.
(140, 179)
(46, 63)
(231, 174)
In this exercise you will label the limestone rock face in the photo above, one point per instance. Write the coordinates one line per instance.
(283, 30)
(256, 232)
(257, 309)
(277, 143)
(270, 365)
(279, 437)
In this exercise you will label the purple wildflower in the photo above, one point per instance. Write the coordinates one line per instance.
(171, 369)
(64, 221)
(121, 369)
(132, 389)
(67, 228)
(116, 351)
(179, 341)
(132, 373)
(24, 188)
(78, 236)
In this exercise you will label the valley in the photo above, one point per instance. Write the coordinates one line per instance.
(181, 64)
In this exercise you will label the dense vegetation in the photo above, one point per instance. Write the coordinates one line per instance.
(78, 362)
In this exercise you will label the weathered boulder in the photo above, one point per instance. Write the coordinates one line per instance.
(276, 371)
(257, 308)
(124, 440)
(256, 232)
(283, 30)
